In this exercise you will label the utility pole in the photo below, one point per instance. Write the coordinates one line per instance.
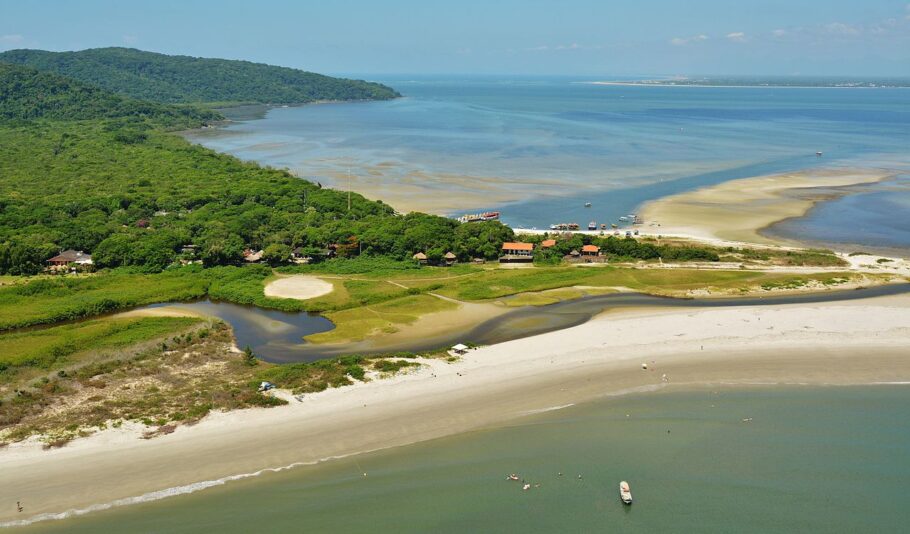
(349, 190)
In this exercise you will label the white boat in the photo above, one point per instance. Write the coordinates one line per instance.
(625, 493)
(587, 204)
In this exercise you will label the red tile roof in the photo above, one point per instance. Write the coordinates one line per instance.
(547, 243)
(590, 248)
(517, 246)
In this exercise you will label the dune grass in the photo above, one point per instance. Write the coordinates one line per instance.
(54, 347)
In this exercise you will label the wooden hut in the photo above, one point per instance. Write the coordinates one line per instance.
(420, 258)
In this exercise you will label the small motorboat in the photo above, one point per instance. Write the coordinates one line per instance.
(587, 204)
(625, 493)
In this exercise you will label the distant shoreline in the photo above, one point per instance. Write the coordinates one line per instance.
(744, 86)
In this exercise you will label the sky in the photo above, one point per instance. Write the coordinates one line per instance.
(591, 38)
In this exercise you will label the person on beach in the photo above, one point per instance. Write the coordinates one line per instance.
(19, 506)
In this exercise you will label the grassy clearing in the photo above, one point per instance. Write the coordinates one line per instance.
(357, 324)
(552, 296)
(55, 347)
(50, 300)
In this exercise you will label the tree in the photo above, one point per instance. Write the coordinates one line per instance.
(276, 254)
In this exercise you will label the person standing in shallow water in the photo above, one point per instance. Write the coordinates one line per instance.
(19, 507)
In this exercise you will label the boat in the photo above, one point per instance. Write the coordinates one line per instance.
(587, 204)
(480, 217)
(625, 493)
(623, 218)
(592, 225)
(819, 154)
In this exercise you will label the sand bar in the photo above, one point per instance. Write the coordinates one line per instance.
(300, 287)
(861, 341)
(737, 210)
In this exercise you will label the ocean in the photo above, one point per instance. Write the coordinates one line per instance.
(759, 459)
(538, 149)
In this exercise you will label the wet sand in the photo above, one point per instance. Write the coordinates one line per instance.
(860, 341)
(737, 211)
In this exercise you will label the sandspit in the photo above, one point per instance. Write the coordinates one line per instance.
(737, 210)
(860, 341)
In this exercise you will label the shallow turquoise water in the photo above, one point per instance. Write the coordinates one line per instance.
(614, 146)
(811, 459)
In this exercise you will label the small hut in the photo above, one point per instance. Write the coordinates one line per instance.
(460, 349)
(449, 259)
(574, 253)
(420, 258)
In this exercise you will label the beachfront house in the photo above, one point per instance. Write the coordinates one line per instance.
(547, 243)
(590, 250)
(515, 252)
(76, 258)
(460, 349)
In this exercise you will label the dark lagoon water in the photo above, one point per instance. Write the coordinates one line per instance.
(810, 459)
(560, 143)
(277, 336)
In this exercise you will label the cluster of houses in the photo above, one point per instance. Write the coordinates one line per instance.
(518, 252)
(448, 259)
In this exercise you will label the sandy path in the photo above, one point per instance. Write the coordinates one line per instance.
(860, 341)
(300, 287)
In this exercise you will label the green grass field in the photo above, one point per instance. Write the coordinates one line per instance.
(59, 346)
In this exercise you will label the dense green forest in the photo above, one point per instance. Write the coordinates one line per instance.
(84, 169)
(27, 94)
(183, 79)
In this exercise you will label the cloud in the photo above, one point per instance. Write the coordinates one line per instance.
(682, 41)
(562, 47)
(779, 32)
(11, 39)
(839, 28)
(737, 37)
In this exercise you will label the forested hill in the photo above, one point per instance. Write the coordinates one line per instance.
(183, 79)
(28, 94)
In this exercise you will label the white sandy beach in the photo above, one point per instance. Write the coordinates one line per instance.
(861, 341)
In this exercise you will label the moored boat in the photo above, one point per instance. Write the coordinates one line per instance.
(592, 225)
(625, 493)
(479, 217)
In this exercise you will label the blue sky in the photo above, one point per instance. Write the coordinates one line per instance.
(593, 38)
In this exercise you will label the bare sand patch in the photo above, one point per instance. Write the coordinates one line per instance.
(300, 287)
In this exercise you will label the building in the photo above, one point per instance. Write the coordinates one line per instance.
(252, 256)
(420, 257)
(450, 259)
(590, 250)
(517, 252)
(548, 243)
(70, 257)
